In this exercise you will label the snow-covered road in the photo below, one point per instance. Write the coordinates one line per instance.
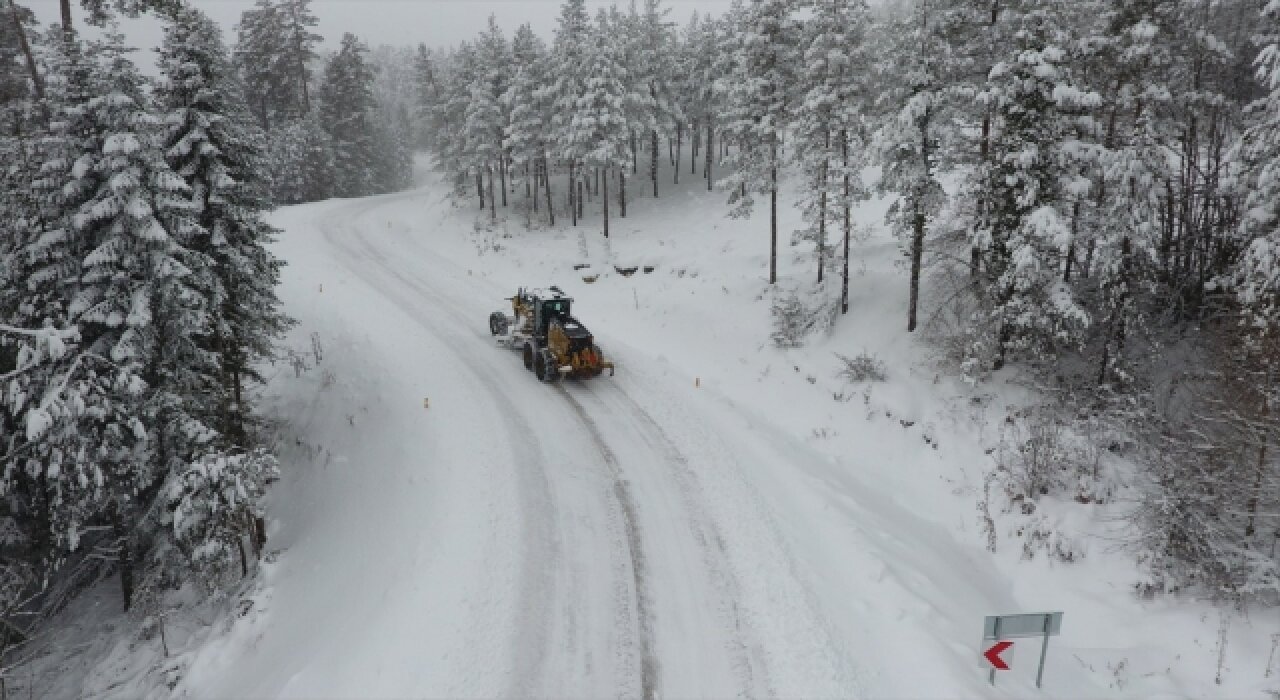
(628, 579)
(628, 536)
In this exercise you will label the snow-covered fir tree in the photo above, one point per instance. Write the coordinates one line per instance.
(760, 103)
(214, 146)
(300, 161)
(567, 68)
(598, 129)
(829, 121)
(346, 112)
(525, 135)
(1024, 233)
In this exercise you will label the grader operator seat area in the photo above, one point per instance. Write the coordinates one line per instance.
(552, 308)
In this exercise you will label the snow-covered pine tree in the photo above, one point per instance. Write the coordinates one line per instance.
(300, 161)
(684, 90)
(213, 144)
(297, 49)
(1118, 227)
(486, 117)
(397, 171)
(346, 112)
(760, 103)
(567, 69)
(598, 129)
(655, 53)
(1024, 234)
(447, 116)
(1258, 275)
(113, 269)
(909, 141)
(710, 72)
(637, 105)
(426, 93)
(256, 55)
(827, 117)
(525, 136)
(19, 73)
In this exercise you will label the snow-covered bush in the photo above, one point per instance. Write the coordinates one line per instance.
(796, 316)
(213, 505)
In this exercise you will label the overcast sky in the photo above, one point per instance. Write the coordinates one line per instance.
(397, 22)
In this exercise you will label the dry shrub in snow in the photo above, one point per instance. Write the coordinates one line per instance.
(1043, 452)
(863, 367)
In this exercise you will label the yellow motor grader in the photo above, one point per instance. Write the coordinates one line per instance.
(552, 342)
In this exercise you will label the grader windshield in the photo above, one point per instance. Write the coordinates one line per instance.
(553, 308)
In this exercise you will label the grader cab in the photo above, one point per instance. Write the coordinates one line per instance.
(552, 342)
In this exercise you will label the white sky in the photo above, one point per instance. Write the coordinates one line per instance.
(396, 22)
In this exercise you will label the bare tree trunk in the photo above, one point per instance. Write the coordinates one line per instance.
(244, 558)
(125, 558)
(493, 205)
(653, 164)
(573, 202)
(480, 188)
(502, 172)
(546, 182)
(822, 219)
(693, 149)
(917, 254)
(918, 226)
(606, 202)
(622, 192)
(66, 16)
(635, 155)
(707, 169)
(679, 145)
(844, 283)
(1071, 247)
(773, 211)
(259, 534)
(580, 188)
(37, 85)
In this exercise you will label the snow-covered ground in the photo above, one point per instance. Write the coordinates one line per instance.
(721, 518)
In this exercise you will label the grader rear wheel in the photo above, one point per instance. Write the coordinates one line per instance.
(527, 355)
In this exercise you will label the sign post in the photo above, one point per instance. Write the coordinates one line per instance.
(997, 629)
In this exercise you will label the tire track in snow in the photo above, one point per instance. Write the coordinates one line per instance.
(622, 492)
(744, 651)
(779, 599)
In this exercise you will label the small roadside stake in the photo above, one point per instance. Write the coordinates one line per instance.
(426, 403)
(697, 382)
(322, 289)
(998, 629)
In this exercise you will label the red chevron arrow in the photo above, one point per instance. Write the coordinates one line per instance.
(993, 655)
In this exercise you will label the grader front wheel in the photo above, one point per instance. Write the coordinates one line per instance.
(527, 356)
(544, 366)
(498, 323)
